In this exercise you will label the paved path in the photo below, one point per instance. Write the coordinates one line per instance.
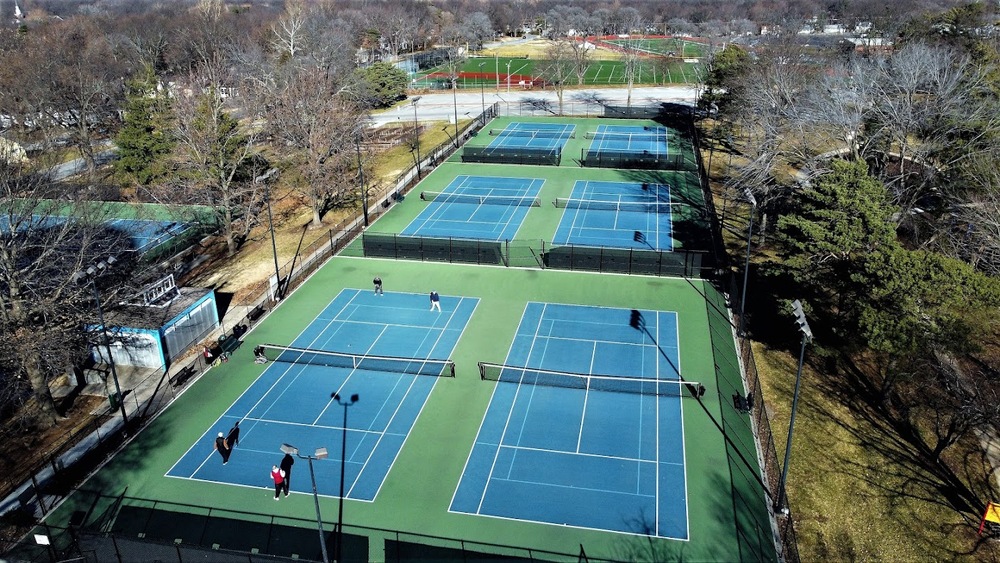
(469, 103)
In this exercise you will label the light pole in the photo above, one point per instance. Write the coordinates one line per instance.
(361, 173)
(274, 244)
(321, 453)
(454, 98)
(343, 466)
(800, 319)
(508, 75)
(91, 274)
(746, 267)
(482, 92)
(416, 133)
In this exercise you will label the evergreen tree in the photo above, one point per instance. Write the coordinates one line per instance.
(382, 84)
(723, 82)
(838, 221)
(144, 140)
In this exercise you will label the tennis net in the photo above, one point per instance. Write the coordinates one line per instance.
(415, 366)
(521, 201)
(611, 205)
(533, 134)
(548, 156)
(612, 384)
(638, 137)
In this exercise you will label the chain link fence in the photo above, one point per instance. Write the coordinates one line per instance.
(45, 477)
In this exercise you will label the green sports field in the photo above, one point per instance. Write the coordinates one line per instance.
(410, 517)
(599, 72)
(665, 46)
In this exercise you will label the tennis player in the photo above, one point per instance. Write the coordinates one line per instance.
(279, 480)
(222, 446)
(435, 302)
(378, 285)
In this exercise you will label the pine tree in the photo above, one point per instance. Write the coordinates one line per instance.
(144, 140)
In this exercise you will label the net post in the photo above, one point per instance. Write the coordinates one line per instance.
(482, 371)
(451, 365)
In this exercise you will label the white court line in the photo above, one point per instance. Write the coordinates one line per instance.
(577, 488)
(245, 391)
(582, 454)
(427, 398)
(479, 432)
(510, 413)
(586, 398)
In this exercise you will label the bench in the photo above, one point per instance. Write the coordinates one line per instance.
(256, 313)
(743, 404)
(182, 376)
(229, 344)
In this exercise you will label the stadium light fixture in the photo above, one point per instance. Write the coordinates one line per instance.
(800, 320)
(746, 266)
(91, 274)
(343, 465)
(320, 453)
(416, 133)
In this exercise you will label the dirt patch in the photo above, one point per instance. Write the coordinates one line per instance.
(538, 49)
(253, 265)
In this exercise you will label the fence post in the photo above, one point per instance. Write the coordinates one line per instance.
(38, 494)
(114, 542)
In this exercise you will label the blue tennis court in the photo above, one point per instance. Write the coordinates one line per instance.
(606, 456)
(477, 207)
(616, 215)
(532, 135)
(144, 234)
(629, 139)
(290, 402)
(147, 235)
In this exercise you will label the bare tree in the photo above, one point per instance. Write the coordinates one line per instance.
(288, 34)
(397, 26)
(581, 52)
(45, 242)
(305, 111)
(628, 21)
(765, 118)
(478, 29)
(838, 104)
(63, 84)
(973, 220)
(86, 86)
(215, 153)
(558, 68)
(560, 20)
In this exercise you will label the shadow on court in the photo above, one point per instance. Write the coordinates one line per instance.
(269, 536)
(398, 551)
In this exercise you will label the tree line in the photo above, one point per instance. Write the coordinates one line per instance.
(872, 176)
